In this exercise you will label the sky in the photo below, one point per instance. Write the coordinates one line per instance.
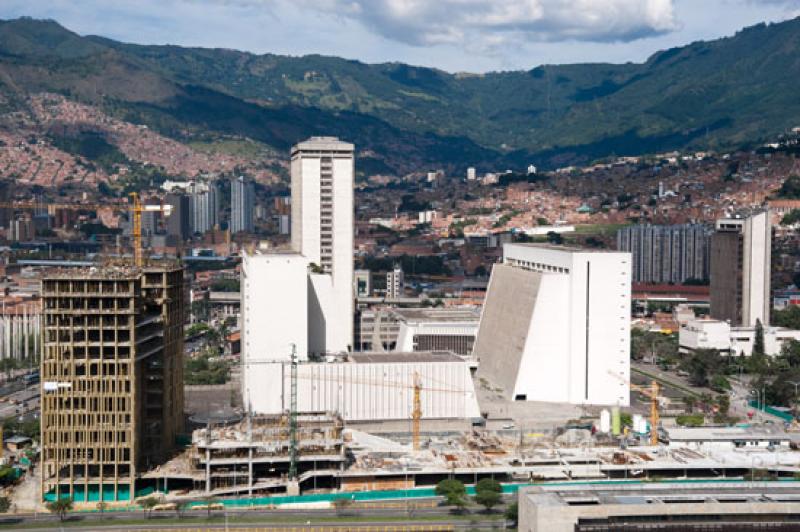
(453, 35)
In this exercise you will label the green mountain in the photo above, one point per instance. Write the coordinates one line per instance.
(718, 95)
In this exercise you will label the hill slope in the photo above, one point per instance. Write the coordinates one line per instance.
(714, 94)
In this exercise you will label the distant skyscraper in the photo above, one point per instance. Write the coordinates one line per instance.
(242, 200)
(322, 231)
(205, 207)
(179, 222)
(741, 251)
(666, 253)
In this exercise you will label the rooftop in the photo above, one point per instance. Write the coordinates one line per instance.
(416, 357)
(739, 433)
(456, 314)
(323, 144)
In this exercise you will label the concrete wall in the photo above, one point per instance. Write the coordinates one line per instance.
(274, 316)
(373, 391)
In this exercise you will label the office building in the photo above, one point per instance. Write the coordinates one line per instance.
(741, 250)
(665, 254)
(734, 341)
(322, 171)
(179, 222)
(21, 230)
(395, 283)
(436, 329)
(242, 202)
(556, 325)
(205, 207)
(471, 174)
(112, 378)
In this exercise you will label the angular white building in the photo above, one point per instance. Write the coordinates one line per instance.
(556, 325)
(322, 171)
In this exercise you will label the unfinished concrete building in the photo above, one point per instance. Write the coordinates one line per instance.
(253, 456)
(112, 378)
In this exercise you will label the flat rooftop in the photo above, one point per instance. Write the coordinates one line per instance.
(459, 314)
(724, 434)
(416, 357)
(663, 493)
(563, 248)
(108, 272)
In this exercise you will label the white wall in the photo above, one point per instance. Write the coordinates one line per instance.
(373, 391)
(274, 314)
(597, 295)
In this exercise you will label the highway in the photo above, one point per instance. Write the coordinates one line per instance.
(378, 519)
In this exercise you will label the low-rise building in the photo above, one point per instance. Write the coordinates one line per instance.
(719, 335)
(662, 506)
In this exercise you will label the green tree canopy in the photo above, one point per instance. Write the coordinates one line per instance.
(488, 493)
(453, 491)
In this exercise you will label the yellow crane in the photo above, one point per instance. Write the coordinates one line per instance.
(135, 206)
(653, 392)
(416, 412)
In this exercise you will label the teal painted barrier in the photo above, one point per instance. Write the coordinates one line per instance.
(773, 411)
(424, 493)
(93, 495)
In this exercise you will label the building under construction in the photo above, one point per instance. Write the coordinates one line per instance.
(260, 454)
(111, 372)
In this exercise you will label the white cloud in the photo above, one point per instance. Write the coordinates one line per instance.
(491, 23)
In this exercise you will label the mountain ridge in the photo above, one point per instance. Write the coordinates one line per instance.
(719, 94)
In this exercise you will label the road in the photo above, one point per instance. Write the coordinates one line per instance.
(388, 519)
(739, 392)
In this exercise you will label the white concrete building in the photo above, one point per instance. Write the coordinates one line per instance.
(556, 325)
(427, 329)
(274, 316)
(375, 387)
(719, 335)
(471, 174)
(395, 283)
(322, 171)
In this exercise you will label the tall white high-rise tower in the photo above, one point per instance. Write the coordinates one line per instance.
(322, 231)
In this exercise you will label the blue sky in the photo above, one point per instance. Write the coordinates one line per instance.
(454, 35)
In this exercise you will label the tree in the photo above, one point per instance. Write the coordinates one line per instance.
(147, 504)
(454, 493)
(180, 507)
(341, 505)
(5, 504)
(210, 502)
(60, 506)
(758, 342)
(488, 493)
(512, 512)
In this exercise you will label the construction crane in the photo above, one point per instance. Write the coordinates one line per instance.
(416, 412)
(653, 393)
(135, 206)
